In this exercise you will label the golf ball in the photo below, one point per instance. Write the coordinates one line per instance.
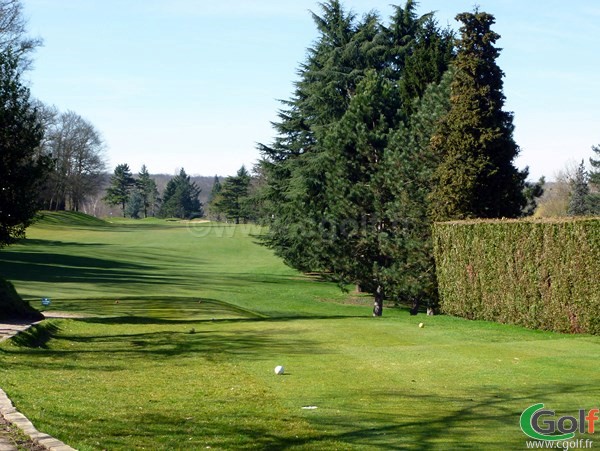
(421, 325)
(279, 369)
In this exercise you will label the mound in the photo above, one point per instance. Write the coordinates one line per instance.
(12, 307)
(69, 218)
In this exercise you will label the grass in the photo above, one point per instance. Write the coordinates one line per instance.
(184, 324)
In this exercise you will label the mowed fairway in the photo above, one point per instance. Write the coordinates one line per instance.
(183, 324)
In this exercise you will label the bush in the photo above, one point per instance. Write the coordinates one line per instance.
(538, 274)
(12, 307)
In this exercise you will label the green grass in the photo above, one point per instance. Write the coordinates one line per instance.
(185, 323)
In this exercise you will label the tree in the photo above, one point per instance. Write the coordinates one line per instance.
(580, 190)
(532, 192)
(135, 205)
(77, 150)
(13, 33)
(121, 185)
(146, 188)
(233, 200)
(476, 177)
(180, 199)
(328, 183)
(22, 167)
(594, 181)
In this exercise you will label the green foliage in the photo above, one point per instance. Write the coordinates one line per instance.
(232, 200)
(180, 199)
(476, 177)
(538, 274)
(466, 380)
(121, 185)
(580, 191)
(22, 169)
(326, 190)
(595, 172)
(135, 205)
(216, 189)
(594, 182)
(147, 191)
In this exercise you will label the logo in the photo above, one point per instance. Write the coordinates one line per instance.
(541, 424)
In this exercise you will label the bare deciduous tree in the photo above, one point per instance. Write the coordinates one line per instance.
(77, 150)
(13, 32)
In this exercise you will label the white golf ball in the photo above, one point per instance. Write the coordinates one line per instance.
(279, 369)
(421, 325)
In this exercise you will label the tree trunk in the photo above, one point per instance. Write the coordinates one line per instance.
(378, 302)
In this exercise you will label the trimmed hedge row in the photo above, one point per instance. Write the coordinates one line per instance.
(542, 274)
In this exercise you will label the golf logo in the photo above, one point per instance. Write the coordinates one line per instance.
(541, 424)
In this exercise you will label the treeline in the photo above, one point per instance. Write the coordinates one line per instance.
(392, 125)
(236, 199)
(574, 192)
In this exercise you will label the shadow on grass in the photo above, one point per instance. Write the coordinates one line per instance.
(65, 268)
(194, 340)
(470, 422)
(491, 421)
(37, 336)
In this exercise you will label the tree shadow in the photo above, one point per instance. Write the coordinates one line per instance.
(37, 336)
(66, 268)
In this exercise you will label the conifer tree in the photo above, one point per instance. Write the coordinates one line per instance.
(595, 172)
(326, 180)
(121, 185)
(232, 199)
(594, 181)
(148, 192)
(22, 170)
(580, 191)
(180, 199)
(476, 176)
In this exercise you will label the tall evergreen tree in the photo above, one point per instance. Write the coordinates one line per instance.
(121, 185)
(595, 172)
(232, 199)
(22, 169)
(476, 176)
(215, 190)
(324, 172)
(148, 192)
(580, 191)
(594, 181)
(180, 199)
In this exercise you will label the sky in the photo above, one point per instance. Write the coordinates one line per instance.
(195, 84)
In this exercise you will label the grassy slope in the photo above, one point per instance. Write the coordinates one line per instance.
(161, 370)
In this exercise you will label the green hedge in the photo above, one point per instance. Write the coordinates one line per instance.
(539, 274)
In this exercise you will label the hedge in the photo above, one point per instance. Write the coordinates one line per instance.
(541, 274)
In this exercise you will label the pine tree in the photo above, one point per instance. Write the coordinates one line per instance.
(216, 189)
(580, 190)
(22, 169)
(232, 199)
(324, 172)
(135, 204)
(121, 185)
(180, 199)
(476, 176)
(146, 187)
(594, 181)
(595, 172)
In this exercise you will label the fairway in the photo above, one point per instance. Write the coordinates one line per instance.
(180, 325)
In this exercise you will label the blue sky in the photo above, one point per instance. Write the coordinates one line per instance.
(195, 83)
